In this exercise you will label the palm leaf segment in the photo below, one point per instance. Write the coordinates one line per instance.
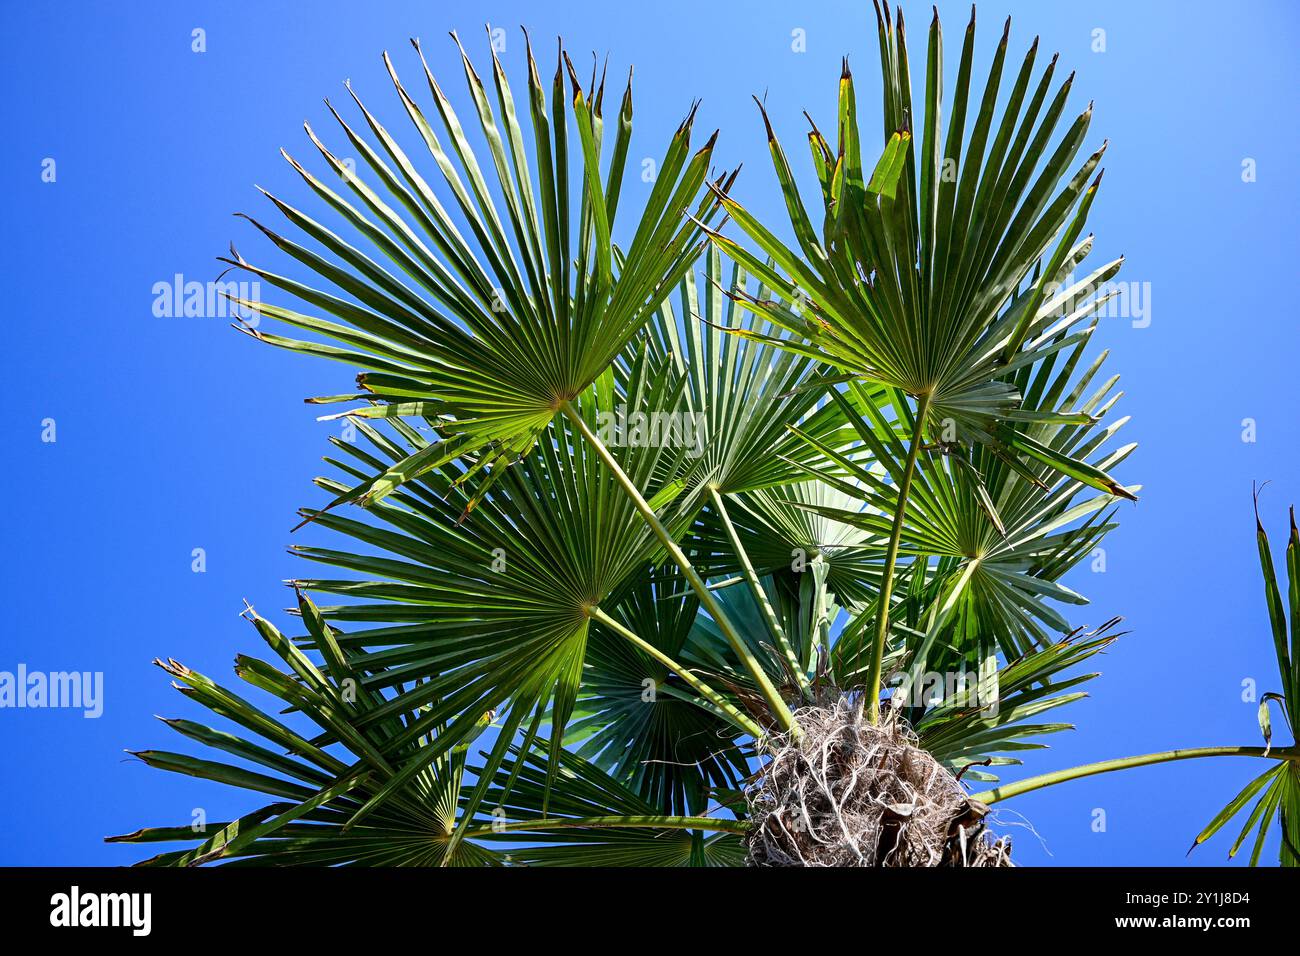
(917, 278)
(1276, 792)
(487, 327)
(964, 729)
(787, 528)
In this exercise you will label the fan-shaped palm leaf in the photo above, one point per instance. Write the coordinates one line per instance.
(493, 612)
(486, 334)
(319, 793)
(1005, 535)
(913, 281)
(743, 393)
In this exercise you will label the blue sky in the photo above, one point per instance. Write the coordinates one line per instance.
(177, 433)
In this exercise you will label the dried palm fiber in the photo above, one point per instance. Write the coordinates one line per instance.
(847, 792)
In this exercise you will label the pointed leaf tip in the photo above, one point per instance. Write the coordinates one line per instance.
(767, 123)
(1255, 492)
(689, 121)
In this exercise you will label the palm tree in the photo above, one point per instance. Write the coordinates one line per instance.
(638, 550)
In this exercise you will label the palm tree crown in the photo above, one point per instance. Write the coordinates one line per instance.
(623, 524)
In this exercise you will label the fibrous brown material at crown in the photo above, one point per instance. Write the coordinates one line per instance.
(851, 793)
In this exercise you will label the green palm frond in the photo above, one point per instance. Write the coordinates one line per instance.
(492, 612)
(1278, 788)
(802, 608)
(486, 334)
(791, 526)
(1005, 534)
(934, 277)
(317, 790)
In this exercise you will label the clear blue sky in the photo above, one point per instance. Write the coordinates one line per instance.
(177, 433)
